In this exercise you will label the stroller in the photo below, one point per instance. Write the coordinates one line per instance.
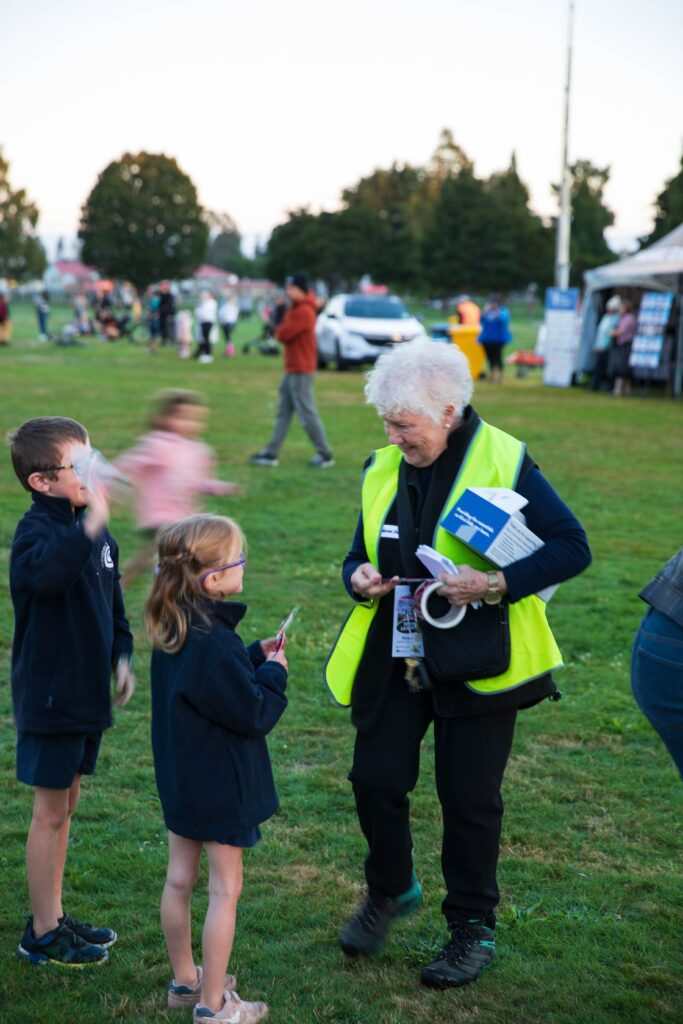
(271, 315)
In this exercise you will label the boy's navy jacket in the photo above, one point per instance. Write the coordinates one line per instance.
(213, 702)
(70, 624)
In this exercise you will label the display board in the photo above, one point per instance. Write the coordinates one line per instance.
(561, 343)
(653, 317)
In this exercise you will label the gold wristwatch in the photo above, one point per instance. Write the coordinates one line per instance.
(493, 594)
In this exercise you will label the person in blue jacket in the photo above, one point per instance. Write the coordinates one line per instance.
(495, 334)
(657, 662)
(213, 703)
(70, 633)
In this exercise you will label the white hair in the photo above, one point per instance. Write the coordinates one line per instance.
(420, 376)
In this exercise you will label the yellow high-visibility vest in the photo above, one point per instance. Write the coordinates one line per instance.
(493, 459)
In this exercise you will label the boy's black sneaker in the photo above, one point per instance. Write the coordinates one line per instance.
(365, 932)
(61, 947)
(104, 937)
(471, 949)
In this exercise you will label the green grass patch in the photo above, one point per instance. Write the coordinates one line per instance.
(592, 897)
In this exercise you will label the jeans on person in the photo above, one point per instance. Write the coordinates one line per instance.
(296, 395)
(657, 679)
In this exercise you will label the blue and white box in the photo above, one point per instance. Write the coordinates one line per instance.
(489, 520)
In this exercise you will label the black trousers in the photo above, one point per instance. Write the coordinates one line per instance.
(470, 759)
(204, 346)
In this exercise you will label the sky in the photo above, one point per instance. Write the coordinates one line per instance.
(271, 105)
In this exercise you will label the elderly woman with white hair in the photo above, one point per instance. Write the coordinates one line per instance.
(469, 680)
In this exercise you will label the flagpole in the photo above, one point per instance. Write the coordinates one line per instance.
(564, 219)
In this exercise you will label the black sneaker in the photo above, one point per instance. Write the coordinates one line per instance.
(365, 932)
(61, 947)
(471, 949)
(103, 937)
(263, 459)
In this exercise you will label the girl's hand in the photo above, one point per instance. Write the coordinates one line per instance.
(279, 657)
(268, 645)
(367, 582)
(230, 490)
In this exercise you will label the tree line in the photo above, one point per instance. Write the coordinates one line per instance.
(433, 229)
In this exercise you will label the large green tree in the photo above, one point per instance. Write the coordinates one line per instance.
(522, 247)
(143, 221)
(22, 256)
(668, 208)
(387, 210)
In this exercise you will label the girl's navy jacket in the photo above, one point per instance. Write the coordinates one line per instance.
(213, 703)
(70, 624)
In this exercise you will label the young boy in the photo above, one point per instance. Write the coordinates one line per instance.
(70, 633)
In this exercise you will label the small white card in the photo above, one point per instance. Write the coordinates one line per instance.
(390, 530)
(406, 640)
(435, 562)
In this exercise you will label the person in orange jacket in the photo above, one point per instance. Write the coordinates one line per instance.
(468, 311)
(296, 333)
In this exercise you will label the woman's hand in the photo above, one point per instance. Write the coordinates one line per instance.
(468, 585)
(268, 645)
(367, 582)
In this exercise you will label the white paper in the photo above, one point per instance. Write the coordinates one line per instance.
(502, 497)
(435, 562)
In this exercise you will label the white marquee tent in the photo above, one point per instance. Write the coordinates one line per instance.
(657, 268)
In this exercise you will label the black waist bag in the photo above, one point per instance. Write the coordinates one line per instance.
(477, 648)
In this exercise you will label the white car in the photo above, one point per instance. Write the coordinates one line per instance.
(356, 329)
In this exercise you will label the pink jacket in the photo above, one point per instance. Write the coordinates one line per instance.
(168, 472)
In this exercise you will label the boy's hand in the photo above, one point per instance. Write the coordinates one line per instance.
(125, 683)
(98, 512)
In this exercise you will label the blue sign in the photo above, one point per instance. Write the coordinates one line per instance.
(561, 298)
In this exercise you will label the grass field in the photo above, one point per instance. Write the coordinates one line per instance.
(591, 916)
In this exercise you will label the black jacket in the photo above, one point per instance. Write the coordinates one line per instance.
(70, 625)
(213, 704)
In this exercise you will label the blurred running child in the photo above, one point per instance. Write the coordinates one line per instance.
(70, 634)
(169, 469)
(213, 703)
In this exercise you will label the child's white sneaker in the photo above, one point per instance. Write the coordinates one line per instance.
(233, 1011)
(180, 996)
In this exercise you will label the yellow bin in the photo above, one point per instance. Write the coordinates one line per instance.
(465, 337)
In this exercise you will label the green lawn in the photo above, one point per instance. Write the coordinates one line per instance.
(591, 917)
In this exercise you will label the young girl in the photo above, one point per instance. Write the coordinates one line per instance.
(213, 703)
(169, 468)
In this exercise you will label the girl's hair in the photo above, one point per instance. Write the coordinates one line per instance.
(166, 403)
(184, 550)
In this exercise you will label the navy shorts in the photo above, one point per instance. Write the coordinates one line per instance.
(53, 761)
